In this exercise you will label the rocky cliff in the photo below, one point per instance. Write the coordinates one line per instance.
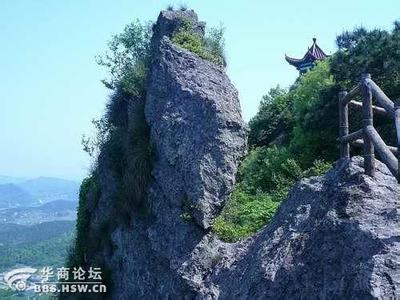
(335, 237)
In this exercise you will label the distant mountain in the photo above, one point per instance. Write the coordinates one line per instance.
(17, 192)
(60, 210)
(59, 206)
(46, 189)
(9, 179)
(12, 195)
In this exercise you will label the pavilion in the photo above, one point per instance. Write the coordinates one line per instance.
(313, 54)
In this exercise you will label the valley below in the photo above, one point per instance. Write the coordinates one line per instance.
(37, 220)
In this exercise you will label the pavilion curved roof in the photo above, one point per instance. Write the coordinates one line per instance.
(313, 53)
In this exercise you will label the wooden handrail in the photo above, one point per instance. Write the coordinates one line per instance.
(385, 154)
(377, 110)
(397, 122)
(368, 137)
(350, 95)
(360, 143)
(343, 125)
(381, 97)
(351, 137)
(368, 119)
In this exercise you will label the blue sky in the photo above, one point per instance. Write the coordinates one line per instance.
(50, 83)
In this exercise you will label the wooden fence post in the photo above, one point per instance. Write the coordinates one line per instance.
(369, 156)
(343, 126)
(397, 120)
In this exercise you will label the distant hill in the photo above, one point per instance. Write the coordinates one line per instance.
(39, 245)
(60, 210)
(16, 192)
(58, 205)
(13, 234)
(9, 179)
(46, 189)
(12, 195)
(51, 252)
(37, 221)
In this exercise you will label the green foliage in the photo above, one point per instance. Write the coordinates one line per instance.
(127, 61)
(127, 58)
(307, 91)
(375, 52)
(122, 142)
(89, 188)
(289, 117)
(15, 234)
(318, 168)
(311, 98)
(50, 252)
(210, 47)
(272, 120)
(244, 214)
(214, 44)
(294, 133)
(264, 181)
(7, 294)
(287, 135)
(294, 118)
(265, 177)
(92, 145)
(190, 41)
(349, 39)
(270, 170)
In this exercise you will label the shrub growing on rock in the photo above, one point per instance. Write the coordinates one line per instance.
(210, 47)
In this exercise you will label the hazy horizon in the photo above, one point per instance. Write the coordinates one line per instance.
(5, 179)
(50, 82)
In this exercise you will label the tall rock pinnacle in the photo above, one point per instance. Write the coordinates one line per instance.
(196, 126)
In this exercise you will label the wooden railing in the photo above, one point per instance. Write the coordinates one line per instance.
(368, 137)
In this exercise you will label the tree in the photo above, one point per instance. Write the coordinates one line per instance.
(375, 52)
(127, 58)
(273, 119)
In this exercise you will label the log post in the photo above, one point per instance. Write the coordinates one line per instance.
(397, 120)
(369, 156)
(343, 126)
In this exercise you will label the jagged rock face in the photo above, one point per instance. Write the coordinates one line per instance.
(199, 137)
(336, 237)
(194, 115)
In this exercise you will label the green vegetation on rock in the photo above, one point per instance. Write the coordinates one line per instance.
(265, 177)
(294, 133)
(284, 149)
(80, 245)
(120, 147)
(209, 47)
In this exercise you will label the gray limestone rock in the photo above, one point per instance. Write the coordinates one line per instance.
(196, 126)
(336, 237)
